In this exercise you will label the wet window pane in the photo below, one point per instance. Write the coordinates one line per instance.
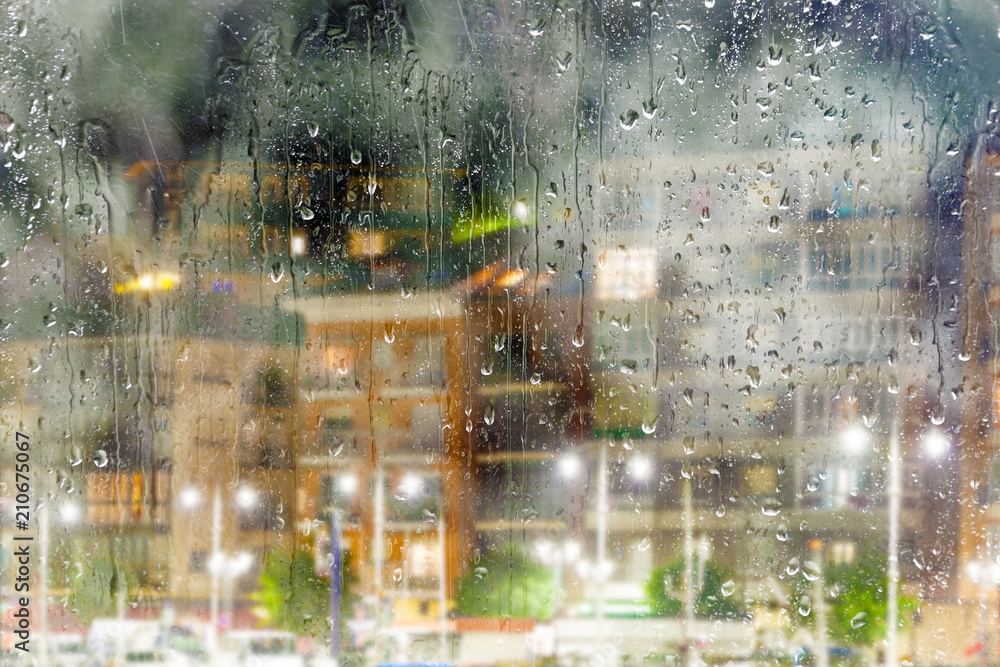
(475, 333)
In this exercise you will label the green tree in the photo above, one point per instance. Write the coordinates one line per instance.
(717, 597)
(293, 597)
(95, 592)
(507, 583)
(858, 594)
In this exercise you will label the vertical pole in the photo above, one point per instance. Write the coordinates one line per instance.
(442, 597)
(216, 565)
(819, 604)
(895, 500)
(336, 578)
(602, 535)
(690, 652)
(379, 557)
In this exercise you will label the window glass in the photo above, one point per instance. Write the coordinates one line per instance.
(475, 332)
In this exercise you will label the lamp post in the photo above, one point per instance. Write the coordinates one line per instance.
(220, 566)
(639, 468)
(557, 556)
(935, 446)
(819, 595)
(69, 514)
(347, 483)
(986, 576)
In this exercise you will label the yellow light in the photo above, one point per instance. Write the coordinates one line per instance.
(155, 281)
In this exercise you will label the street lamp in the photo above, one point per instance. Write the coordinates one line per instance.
(229, 569)
(986, 576)
(69, 514)
(557, 556)
(246, 498)
(640, 468)
(935, 446)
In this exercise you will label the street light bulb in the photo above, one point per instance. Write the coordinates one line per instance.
(543, 550)
(410, 486)
(521, 210)
(189, 498)
(69, 512)
(348, 483)
(855, 440)
(570, 466)
(246, 497)
(640, 468)
(240, 563)
(936, 444)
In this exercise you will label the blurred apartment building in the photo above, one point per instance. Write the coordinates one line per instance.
(754, 323)
(979, 543)
(757, 331)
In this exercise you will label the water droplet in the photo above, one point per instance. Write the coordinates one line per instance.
(101, 459)
(536, 378)
(860, 620)
(709, 4)
(645, 544)
(355, 156)
(774, 224)
(649, 429)
(397, 575)
(390, 334)
(792, 568)
(313, 129)
(629, 119)
(728, 588)
(563, 61)
(937, 415)
(489, 415)
(649, 108)
(468, 426)
(805, 605)
(306, 213)
(578, 336)
(916, 336)
(811, 571)
(720, 511)
(277, 272)
(782, 533)
(487, 368)
(770, 507)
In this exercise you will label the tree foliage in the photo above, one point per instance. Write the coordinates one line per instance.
(95, 592)
(859, 600)
(716, 597)
(294, 598)
(507, 583)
